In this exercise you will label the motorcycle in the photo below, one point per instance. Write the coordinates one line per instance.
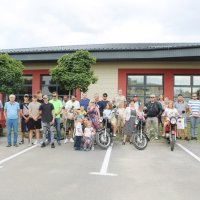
(170, 132)
(139, 137)
(103, 135)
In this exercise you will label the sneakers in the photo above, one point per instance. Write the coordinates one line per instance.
(15, 145)
(9, 145)
(52, 145)
(71, 140)
(43, 145)
(30, 144)
(36, 142)
(114, 135)
(92, 148)
(156, 138)
(65, 141)
(22, 142)
(59, 143)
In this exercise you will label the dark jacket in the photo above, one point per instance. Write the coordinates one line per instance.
(153, 109)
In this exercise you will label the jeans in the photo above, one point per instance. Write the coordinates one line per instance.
(12, 124)
(48, 127)
(57, 123)
(152, 121)
(194, 121)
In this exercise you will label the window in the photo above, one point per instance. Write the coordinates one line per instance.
(26, 89)
(186, 85)
(144, 86)
(48, 86)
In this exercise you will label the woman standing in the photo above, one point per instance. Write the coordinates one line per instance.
(129, 121)
(93, 113)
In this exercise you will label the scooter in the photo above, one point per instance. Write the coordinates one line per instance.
(170, 132)
(103, 135)
(139, 137)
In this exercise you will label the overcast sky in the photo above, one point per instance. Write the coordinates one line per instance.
(37, 23)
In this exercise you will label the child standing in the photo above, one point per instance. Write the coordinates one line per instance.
(78, 134)
(88, 134)
(140, 112)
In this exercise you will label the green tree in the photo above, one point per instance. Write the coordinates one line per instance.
(73, 71)
(11, 74)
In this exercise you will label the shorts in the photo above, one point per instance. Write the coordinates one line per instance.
(32, 124)
(24, 125)
(70, 124)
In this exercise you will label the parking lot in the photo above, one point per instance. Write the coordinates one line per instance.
(120, 173)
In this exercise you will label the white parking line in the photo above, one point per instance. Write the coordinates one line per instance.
(189, 152)
(17, 154)
(104, 167)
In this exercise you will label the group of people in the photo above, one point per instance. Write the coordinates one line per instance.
(81, 118)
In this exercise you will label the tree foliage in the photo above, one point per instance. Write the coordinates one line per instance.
(11, 74)
(73, 71)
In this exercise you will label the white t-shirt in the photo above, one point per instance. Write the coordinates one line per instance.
(70, 104)
(88, 132)
(171, 112)
(107, 113)
(78, 129)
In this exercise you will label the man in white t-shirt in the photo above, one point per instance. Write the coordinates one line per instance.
(120, 98)
(70, 107)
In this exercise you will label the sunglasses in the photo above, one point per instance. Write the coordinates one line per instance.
(194, 96)
(152, 97)
(54, 96)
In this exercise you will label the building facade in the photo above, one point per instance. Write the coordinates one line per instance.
(142, 69)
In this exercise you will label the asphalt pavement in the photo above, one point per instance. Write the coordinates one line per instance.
(62, 173)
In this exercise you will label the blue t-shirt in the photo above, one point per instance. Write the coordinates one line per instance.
(12, 110)
(84, 103)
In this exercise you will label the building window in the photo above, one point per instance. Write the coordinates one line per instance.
(26, 89)
(186, 85)
(48, 86)
(144, 86)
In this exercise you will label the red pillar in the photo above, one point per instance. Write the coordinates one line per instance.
(168, 84)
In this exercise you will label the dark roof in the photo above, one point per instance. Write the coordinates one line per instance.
(116, 51)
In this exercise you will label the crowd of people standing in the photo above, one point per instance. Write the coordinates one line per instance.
(81, 118)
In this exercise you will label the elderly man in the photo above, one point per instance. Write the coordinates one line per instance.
(12, 116)
(153, 110)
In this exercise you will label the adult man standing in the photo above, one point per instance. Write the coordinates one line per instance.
(136, 102)
(71, 107)
(24, 111)
(84, 101)
(182, 108)
(102, 104)
(194, 108)
(65, 100)
(153, 110)
(34, 120)
(39, 96)
(120, 98)
(48, 117)
(12, 116)
(57, 104)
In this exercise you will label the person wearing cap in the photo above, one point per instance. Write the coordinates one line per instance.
(136, 102)
(182, 107)
(24, 112)
(48, 117)
(102, 104)
(153, 110)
